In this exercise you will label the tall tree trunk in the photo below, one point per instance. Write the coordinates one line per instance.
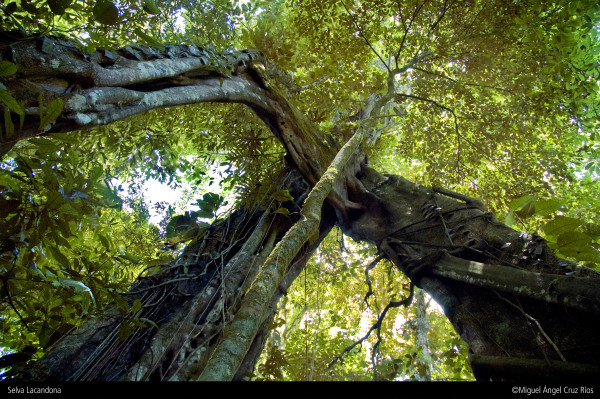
(190, 300)
(506, 293)
(421, 329)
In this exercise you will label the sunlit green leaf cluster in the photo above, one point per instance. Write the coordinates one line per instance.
(570, 237)
(67, 248)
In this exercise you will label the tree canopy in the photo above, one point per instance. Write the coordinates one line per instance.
(496, 99)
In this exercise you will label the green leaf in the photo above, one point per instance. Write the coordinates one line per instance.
(8, 206)
(587, 254)
(10, 8)
(178, 225)
(138, 323)
(7, 68)
(573, 241)
(213, 198)
(64, 228)
(30, 8)
(184, 227)
(106, 12)
(125, 330)
(282, 196)
(59, 7)
(561, 224)
(11, 103)
(547, 207)
(44, 335)
(48, 146)
(521, 202)
(153, 324)
(103, 240)
(66, 138)
(509, 219)
(8, 124)
(59, 240)
(136, 306)
(149, 40)
(205, 214)
(592, 230)
(150, 7)
(129, 257)
(109, 198)
(59, 257)
(121, 304)
(160, 261)
(78, 286)
(52, 111)
(527, 210)
(209, 204)
(67, 282)
(283, 211)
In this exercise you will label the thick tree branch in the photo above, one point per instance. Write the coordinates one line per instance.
(103, 87)
(577, 292)
(101, 106)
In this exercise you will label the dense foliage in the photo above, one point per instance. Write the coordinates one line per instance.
(500, 100)
(328, 310)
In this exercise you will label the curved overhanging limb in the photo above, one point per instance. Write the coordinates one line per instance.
(103, 87)
(576, 292)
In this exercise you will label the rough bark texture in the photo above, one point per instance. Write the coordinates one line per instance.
(191, 300)
(416, 227)
(506, 293)
(422, 325)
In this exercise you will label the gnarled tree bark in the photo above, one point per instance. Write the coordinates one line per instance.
(506, 293)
